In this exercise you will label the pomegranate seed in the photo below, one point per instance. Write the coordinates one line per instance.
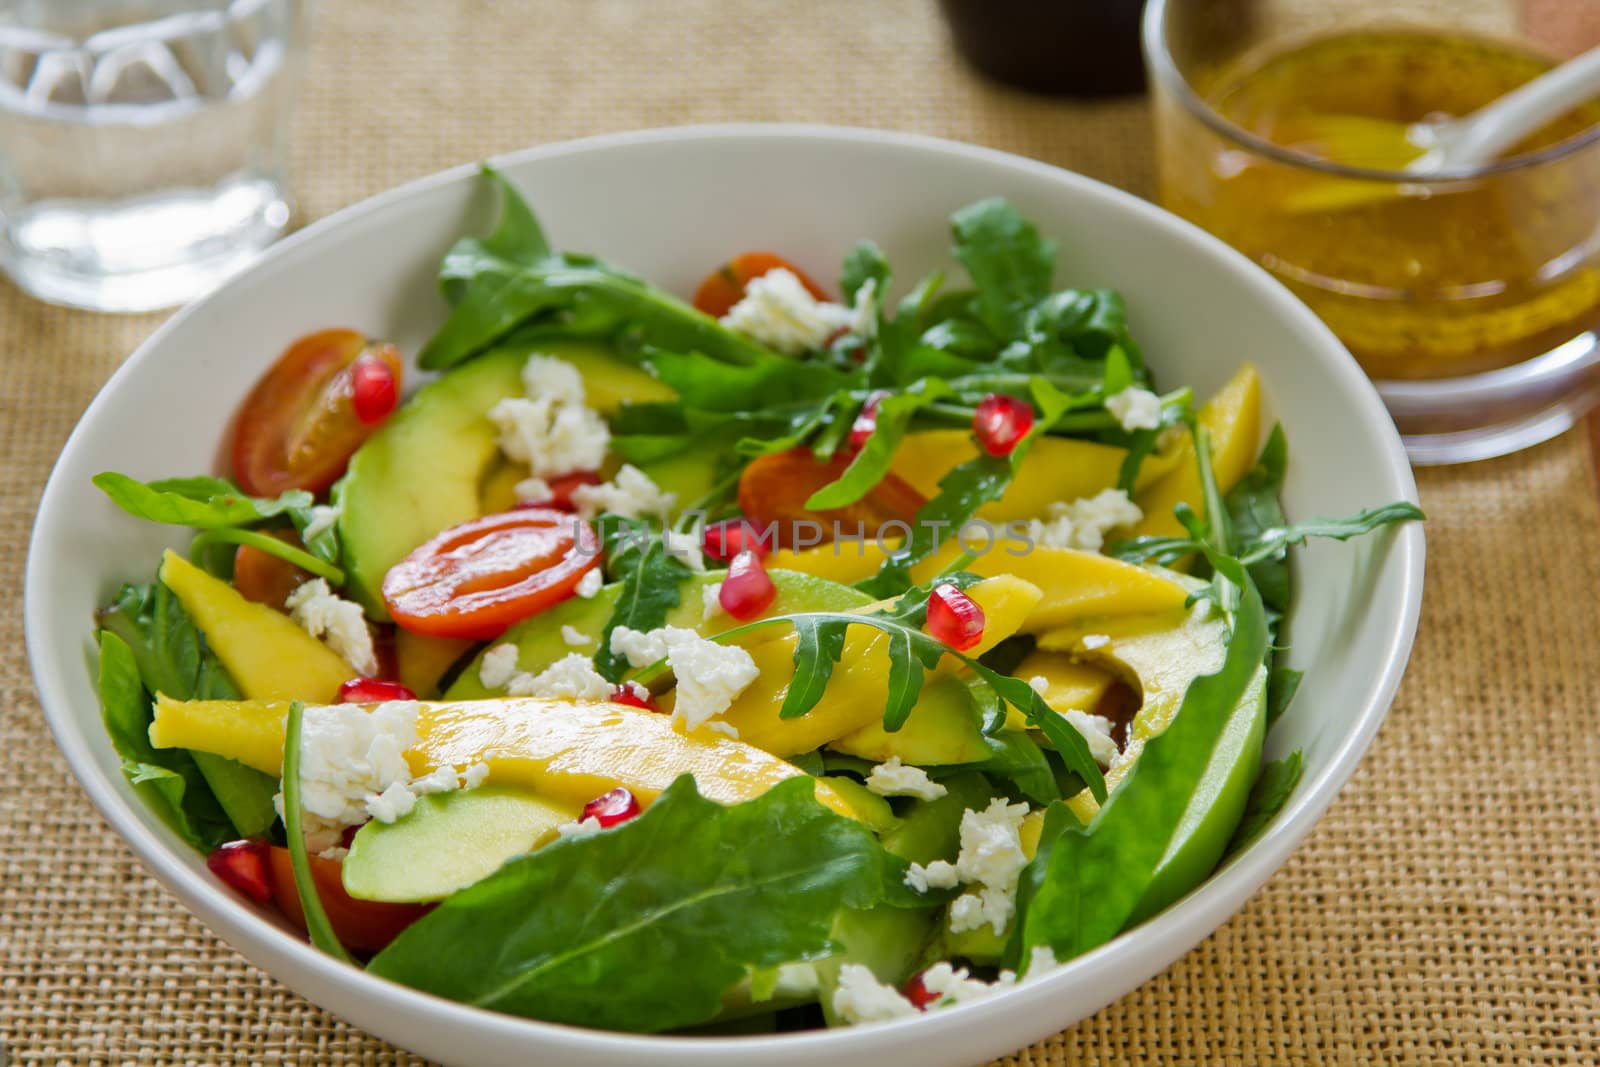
(867, 421)
(921, 997)
(373, 391)
(373, 691)
(243, 866)
(747, 591)
(561, 490)
(725, 540)
(1001, 422)
(635, 696)
(953, 618)
(608, 809)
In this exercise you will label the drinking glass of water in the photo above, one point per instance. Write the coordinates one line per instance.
(142, 144)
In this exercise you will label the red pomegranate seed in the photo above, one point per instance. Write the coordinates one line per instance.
(608, 809)
(373, 691)
(725, 540)
(747, 591)
(867, 421)
(921, 997)
(373, 390)
(953, 618)
(243, 866)
(635, 696)
(1001, 422)
(561, 490)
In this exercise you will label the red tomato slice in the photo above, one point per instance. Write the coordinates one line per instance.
(366, 925)
(263, 577)
(299, 426)
(477, 578)
(724, 287)
(773, 490)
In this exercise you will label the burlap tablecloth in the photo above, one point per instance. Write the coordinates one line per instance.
(1444, 911)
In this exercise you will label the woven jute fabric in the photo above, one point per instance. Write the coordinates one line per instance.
(1443, 912)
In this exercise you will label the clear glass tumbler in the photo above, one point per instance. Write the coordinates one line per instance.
(142, 144)
(1471, 298)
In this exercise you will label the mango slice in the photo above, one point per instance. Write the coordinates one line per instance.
(858, 689)
(1055, 468)
(1233, 418)
(267, 654)
(567, 752)
(1073, 584)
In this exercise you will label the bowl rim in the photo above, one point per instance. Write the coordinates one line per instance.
(1147, 949)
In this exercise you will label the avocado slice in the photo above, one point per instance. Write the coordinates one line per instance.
(942, 729)
(424, 470)
(447, 842)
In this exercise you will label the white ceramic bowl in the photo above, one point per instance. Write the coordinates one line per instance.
(669, 204)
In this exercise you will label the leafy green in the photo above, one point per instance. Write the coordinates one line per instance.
(863, 263)
(1365, 521)
(1009, 262)
(166, 779)
(1282, 682)
(317, 925)
(1017, 758)
(1271, 792)
(704, 384)
(651, 582)
(1254, 508)
(577, 931)
(172, 658)
(203, 502)
(270, 545)
(871, 463)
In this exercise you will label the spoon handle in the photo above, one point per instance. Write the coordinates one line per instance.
(1489, 131)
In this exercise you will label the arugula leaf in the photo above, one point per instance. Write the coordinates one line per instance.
(1365, 521)
(224, 535)
(203, 502)
(819, 643)
(318, 928)
(766, 381)
(564, 933)
(1103, 877)
(1009, 262)
(516, 239)
(166, 779)
(1253, 508)
(863, 263)
(1271, 792)
(651, 581)
(872, 462)
(1282, 682)
(1017, 758)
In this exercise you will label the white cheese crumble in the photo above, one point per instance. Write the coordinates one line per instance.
(580, 828)
(553, 378)
(895, 779)
(352, 767)
(590, 583)
(475, 775)
(1094, 641)
(336, 621)
(727, 729)
(684, 547)
(1135, 409)
(630, 493)
(709, 675)
(534, 490)
(861, 998)
(781, 313)
(711, 600)
(572, 677)
(1084, 523)
(323, 516)
(992, 859)
(1039, 683)
(1096, 732)
(498, 666)
(940, 874)
(552, 438)
(575, 637)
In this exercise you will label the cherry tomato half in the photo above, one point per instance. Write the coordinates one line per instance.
(265, 578)
(366, 925)
(724, 287)
(773, 491)
(477, 578)
(300, 424)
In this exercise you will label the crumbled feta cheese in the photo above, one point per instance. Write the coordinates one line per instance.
(861, 998)
(1041, 961)
(323, 517)
(533, 490)
(551, 438)
(475, 775)
(337, 621)
(497, 666)
(781, 313)
(1039, 683)
(590, 583)
(1135, 409)
(727, 729)
(1084, 523)
(896, 779)
(575, 637)
(684, 547)
(352, 766)
(992, 858)
(1094, 641)
(630, 493)
(553, 378)
(709, 675)
(635, 690)
(711, 599)
(954, 984)
(580, 828)
(438, 780)
(940, 874)
(392, 803)
(572, 677)
(1096, 731)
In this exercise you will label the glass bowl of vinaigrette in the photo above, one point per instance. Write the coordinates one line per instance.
(1472, 298)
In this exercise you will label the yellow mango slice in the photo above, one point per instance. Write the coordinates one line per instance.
(1055, 469)
(566, 751)
(423, 659)
(859, 687)
(268, 656)
(1233, 418)
(1073, 584)
(1068, 684)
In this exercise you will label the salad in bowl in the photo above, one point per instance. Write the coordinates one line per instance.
(791, 656)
